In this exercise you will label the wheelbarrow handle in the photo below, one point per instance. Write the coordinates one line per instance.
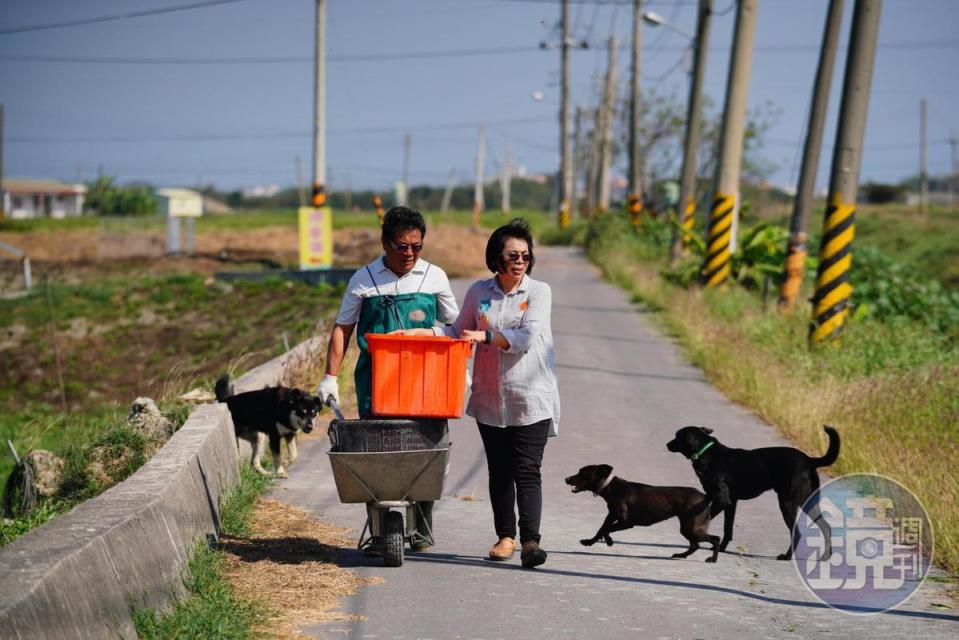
(336, 408)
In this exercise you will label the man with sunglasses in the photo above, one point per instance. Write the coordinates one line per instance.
(398, 290)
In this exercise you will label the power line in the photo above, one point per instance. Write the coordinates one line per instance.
(408, 55)
(358, 57)
(273, 134)
(111, 18)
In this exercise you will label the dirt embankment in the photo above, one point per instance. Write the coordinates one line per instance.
(75, 255)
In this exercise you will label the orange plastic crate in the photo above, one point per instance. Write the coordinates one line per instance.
(418, 376)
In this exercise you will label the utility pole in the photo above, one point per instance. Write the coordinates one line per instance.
(592, 161)
(448, 194)
(318, 198)
(723, 218)
(831, 300)
(505, 178)
(694, 109)
(795, 263)
(577, 162)
(407, 152)
(478, 202)
(564, 173)
(923, 175)
(348, 202)
(606, 135)
(300, 187)
(634, 199)
(953, 168)
(3, 200)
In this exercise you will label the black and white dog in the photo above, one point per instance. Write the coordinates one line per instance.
(275, 412)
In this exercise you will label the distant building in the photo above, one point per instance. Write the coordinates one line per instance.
(265, 191)
(23, 198)
(179, 203)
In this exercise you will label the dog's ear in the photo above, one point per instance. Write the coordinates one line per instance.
(605, 469)
(706, 430)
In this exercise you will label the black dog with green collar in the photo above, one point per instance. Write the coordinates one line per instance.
(729, 475)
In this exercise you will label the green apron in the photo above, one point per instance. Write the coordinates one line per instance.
(382, 314)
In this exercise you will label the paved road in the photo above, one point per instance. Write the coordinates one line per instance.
(625, 390)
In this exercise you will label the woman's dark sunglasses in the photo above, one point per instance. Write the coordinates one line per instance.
(516, 256)
(403, 247)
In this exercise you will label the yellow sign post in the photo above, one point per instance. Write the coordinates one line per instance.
(316, 237)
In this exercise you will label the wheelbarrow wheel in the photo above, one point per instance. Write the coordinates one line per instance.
(393, 539)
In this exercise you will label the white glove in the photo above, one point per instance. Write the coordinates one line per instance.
(329, 388)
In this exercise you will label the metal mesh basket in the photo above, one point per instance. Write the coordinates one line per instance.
(378, 436)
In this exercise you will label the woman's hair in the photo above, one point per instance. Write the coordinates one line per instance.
(400, 219)
(517, 228)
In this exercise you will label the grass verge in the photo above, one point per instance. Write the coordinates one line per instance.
(211, 609)
(891, 388)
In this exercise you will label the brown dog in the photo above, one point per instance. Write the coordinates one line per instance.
(632, 504)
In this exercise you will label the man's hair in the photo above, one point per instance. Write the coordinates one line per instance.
(517, 228)
(400, 219)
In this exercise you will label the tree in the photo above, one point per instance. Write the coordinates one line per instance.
(108, 199)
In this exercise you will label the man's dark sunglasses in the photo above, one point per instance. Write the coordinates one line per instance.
(403, 247)
(516, 256)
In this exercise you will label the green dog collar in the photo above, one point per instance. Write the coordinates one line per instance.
(696, 456)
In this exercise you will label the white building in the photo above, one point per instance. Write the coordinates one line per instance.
(41, 198)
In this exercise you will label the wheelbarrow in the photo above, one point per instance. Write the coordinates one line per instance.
(390, 465)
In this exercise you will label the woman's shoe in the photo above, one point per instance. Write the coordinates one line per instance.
(531, 555)
(503, 550)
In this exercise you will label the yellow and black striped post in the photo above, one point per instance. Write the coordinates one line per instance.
(689, 218)
(716, 266)
(378, 205)
(564, 216)
(635, 207)
(831, 300)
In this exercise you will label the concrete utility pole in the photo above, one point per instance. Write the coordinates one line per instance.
(592, 164)
(564, 173)
(795, 264)
(634, 199)
(318, 198)
(505, 179)
(694, 109)
(577, 162)
(478, 202)
(831, 300)
(348, 200)
(606, 134)
(448, 194)
(723, 218)
(923, 174)
(407, 152)
(953, 169)
(3, 205)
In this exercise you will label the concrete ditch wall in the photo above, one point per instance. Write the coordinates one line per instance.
(77, 576)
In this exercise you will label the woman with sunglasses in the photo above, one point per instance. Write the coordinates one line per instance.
(397, 290)
(514, 396)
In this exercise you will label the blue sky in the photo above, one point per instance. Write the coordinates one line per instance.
(242, 124)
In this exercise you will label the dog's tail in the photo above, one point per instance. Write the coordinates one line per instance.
(832, 452)
(223, 388)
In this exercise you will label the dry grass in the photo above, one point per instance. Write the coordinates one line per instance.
(288, 565)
